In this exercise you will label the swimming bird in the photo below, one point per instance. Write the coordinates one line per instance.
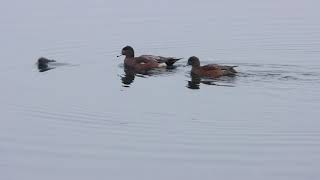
(210, 70)
(145, 62)
(43, 64)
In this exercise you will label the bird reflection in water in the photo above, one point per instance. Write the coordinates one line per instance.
(130, 73)
(128, 78)
(196, 80)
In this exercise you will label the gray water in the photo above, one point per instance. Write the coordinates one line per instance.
(87, 119)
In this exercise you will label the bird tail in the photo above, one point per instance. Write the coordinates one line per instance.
(230, 73)
(233, 70)
(229, 69)
(171, 61)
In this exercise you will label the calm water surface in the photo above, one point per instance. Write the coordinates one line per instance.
(89, 119)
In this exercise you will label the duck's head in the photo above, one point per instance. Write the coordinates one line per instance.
(43, 60)
(194, 61)
(127, 51)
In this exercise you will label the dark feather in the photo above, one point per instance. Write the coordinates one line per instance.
(160, 59)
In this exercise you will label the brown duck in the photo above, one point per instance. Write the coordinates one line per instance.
(210, 70)
(145, 62)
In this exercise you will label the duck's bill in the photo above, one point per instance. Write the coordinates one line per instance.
(120, 55)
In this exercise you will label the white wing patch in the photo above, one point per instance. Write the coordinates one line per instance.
(162, 65)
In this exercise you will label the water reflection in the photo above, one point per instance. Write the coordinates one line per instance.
(130, 73)
(44, 67)
(196, 80)
(128, 78)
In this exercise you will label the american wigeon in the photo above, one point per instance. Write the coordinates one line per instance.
(43, 64)
(210, 70)
(145, 62)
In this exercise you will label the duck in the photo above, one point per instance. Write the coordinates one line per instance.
(210, 70)
(43, 64)
(145, 62)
